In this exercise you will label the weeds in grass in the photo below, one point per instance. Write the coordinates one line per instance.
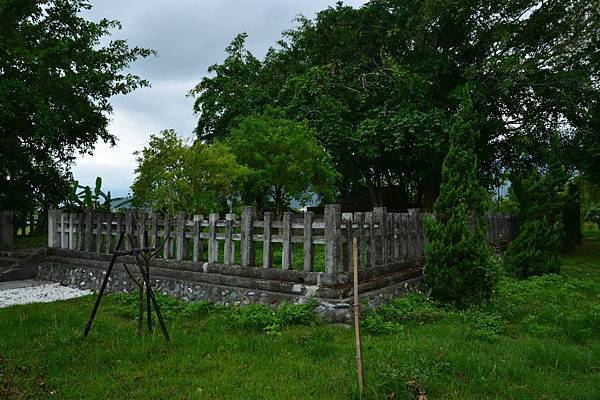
(414, 308)
(298, 314)
(484, 325)
(261, 318)
(254, 317)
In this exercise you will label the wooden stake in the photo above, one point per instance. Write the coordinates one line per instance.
(359, 369)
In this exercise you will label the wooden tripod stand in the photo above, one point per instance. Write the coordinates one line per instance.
(142, 259)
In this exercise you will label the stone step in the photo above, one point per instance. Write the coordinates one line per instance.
(9, 261)
(20, 254)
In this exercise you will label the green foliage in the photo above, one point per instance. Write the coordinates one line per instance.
(58, 71)
(261, 318)
(252, 317)
(389, 318)
(170, 307)
(85, 198)
(535, 250)
(592, 214)
(298, 314)
(257, 317)
(571, 215)
(484, 325)
(376, 324)
(541, 203)
(460, 268)
(173, 176)
(549, 348)
(378, 83)
(412, 308)
(285, 160)
(543, 305)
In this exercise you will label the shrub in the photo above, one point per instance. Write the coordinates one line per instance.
(257, 317)
(571, 218)
(389, 318)
(535, 250)
(412, 308)
(298, 314)
(170, 306)
(261, 318)
(485, 326)
(592, 214)
(460, 268)
(375, 323)
(541, 203)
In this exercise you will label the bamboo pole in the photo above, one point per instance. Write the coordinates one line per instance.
(359, 368)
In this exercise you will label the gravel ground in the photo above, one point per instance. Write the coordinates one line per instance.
(24, 292)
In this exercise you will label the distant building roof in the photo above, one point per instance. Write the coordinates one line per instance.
(121, 203)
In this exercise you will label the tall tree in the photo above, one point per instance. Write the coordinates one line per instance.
(378, 85)
(174, 176)
(460, 268)
(56, 78)
(285, 161)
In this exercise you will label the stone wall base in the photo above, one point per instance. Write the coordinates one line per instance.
(331, 310)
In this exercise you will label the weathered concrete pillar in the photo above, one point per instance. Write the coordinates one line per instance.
(231, 217)
(181, 245)
(7, 227)
(213, 244)
(53, 234)
(359, 217)
(333, 221)
(286, 241)
(247, 242)
(379, 216)
(197, 242)
(308, 241)
(267, 249)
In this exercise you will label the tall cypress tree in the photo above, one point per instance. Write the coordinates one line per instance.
(460, 268)
(542, 200)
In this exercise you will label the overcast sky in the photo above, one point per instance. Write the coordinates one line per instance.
(189, 36)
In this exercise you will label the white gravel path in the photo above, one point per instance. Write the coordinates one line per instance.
(25, 292)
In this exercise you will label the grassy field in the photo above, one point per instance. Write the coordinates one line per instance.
(539, 339)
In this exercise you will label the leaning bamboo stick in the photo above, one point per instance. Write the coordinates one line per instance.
(359, 368)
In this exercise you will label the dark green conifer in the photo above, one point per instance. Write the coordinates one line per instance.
(460, 266)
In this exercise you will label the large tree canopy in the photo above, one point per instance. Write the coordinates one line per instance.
(56, 78)
(379, 84)
(173, 175)
(285, 160)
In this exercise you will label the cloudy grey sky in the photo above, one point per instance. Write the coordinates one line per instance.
(189, 35)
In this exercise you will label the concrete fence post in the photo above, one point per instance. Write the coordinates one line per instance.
(286, 241)
(181, 244)
(267, 249)
(53, 234)
(380, 249)
(308, 241)
(213, 244)
(333, 222)
(247, 242)
(7, 228)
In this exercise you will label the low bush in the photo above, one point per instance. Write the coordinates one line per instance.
(258, 317)
(375, 323)
(542, 199)
(412, 308)
(484, 326)
(390, 317)
(535, 250)
(298, 314)
(255, 317)
(592, 214)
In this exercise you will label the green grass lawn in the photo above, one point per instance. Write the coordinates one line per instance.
(539, 339)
